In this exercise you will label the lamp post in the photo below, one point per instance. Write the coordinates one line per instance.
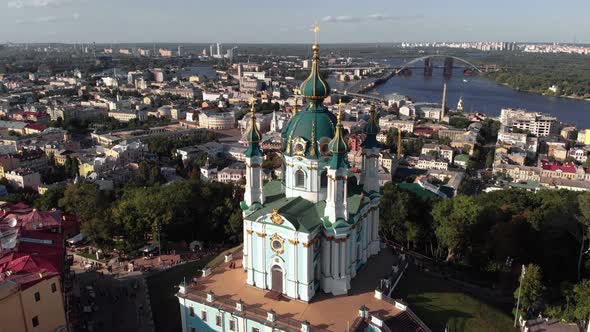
(523, 270)
(158, 228)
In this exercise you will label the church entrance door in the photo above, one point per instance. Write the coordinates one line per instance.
(277, 279)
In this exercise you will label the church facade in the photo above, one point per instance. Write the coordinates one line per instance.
(314, 230)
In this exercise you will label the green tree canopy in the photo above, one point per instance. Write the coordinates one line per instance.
(455, 219)
(532, 287)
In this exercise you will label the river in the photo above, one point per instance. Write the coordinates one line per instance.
(483, 95)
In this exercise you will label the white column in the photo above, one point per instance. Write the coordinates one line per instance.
(335, 259)
(343, 264)
(294, 263)
(325, 257)
(250, 259)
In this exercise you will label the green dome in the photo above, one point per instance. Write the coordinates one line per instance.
(314, 87)
(314, 123)
(310, 125)
(252, 137)
(338, 148)
(371, 129)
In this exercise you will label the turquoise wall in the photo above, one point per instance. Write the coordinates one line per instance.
(210, 324)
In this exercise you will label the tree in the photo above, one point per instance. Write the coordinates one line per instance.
(72, 167)
(85, 201)
(490, 159)
(444, 140)
(455, 219)
(532, 287)
(50, 199)
(459, 122)
(584, 219)
(582, 300)
(394, 212)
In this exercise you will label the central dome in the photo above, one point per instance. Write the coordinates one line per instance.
(310, 130)
(314, 87)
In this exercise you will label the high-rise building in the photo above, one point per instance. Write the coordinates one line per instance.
(536, 123)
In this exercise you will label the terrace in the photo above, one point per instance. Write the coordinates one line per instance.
(226, 289)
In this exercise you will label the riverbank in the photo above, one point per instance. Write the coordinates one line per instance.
(569, 87)
(484, 95)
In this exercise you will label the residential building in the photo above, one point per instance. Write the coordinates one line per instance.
(444, 151)
(23, 178)
(579, 153)
(427, 161)
(30, 294)
(537, 124)
(231, 174)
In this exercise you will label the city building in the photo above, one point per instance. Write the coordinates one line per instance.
(427, 161)
(446, 152)
(211, 119)
(535, 123)
(23, 178)
(30, 294)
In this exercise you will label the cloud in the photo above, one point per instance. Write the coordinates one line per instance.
(370, 18)
(39, 3)
(341, 19)
(48, 19)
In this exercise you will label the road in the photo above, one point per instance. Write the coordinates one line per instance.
(105, 303)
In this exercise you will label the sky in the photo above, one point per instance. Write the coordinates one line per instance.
(280, 21)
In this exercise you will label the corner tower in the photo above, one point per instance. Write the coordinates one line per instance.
(370, 154)
(253, 193)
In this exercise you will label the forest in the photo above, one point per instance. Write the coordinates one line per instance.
(491, 235)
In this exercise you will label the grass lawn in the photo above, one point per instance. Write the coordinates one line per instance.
(162, 288)
(437, 302)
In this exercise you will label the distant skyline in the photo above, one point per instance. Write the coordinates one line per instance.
(265, 21)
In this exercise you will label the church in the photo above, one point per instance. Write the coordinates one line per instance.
(310, 232)
(311, 258)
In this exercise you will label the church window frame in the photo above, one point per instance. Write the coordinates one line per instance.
(300, 178)
(324, 146)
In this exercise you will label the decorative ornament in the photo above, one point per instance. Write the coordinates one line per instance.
(277, 243)
(276, 217)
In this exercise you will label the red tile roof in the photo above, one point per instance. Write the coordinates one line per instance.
(36, 126)
(27, 269)
(566, 167)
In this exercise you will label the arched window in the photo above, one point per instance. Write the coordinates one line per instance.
(324, 179)
(299, 178)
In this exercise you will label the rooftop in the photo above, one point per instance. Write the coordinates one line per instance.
(324, 312)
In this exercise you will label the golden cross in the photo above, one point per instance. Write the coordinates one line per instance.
(252, 103)
(316, 30)
(339, 109)
(296, 92)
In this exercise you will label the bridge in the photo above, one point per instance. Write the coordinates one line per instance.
(427, 57)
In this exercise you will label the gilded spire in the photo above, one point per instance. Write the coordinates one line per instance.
(296, 93)
(371, 130)
(337, 145)
(314, 87)
(252, 135)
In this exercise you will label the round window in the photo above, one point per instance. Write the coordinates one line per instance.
(277, 245)
(298, 147)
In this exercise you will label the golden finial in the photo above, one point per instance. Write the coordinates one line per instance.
(296, 92)
(316, 30)
(339, 116)
(252, 108)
